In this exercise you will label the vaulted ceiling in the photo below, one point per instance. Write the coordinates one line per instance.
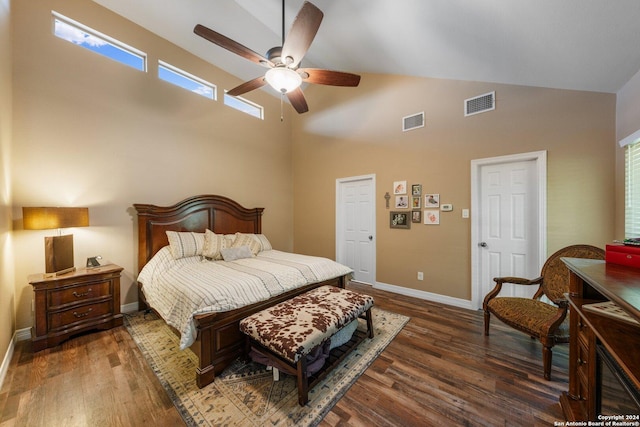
(591, 45)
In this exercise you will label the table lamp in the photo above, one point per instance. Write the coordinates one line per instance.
(58, 250)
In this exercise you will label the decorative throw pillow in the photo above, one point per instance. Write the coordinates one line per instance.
(185, 243)
(265, 244)
(249, 240)
(240, 252)
(213, 244)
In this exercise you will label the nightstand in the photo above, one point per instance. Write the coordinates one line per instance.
(76, 302)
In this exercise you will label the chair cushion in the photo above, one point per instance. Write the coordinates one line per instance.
(528, 315)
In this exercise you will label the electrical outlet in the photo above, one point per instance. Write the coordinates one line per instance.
(420, 275)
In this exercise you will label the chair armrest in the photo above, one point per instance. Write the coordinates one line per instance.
(552, 324)
(518, 280)
(561, 302)
(514, 280)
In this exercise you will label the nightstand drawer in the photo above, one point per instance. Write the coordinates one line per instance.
(81, 293)
(66, 318)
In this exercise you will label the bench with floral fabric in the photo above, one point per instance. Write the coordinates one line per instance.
(288, 333)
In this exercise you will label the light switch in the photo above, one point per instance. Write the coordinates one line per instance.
(465, 213)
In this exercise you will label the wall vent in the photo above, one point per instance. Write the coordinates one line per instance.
(480, 104)
(413, 121)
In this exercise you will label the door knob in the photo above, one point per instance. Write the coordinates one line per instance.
(370, 237)
(483, 245)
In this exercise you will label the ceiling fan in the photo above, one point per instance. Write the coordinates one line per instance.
(283, 62)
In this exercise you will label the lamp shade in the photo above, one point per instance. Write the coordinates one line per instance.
(46, 218)
(283, 79)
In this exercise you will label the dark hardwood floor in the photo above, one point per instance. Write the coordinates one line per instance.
(440, 370)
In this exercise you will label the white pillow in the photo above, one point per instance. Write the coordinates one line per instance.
(185, 243)
(213, 244)
(249, 240)
(240, 252)
(265, 244)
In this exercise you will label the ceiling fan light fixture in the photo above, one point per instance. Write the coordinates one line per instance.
(283, 79)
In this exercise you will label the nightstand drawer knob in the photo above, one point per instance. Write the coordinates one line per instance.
(83, 294)
(85, 314)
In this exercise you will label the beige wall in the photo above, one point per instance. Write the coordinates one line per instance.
(89, 131)
(353, 132)
(7, 288)
(627, 122)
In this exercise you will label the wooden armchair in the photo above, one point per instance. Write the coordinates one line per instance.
(536, 318)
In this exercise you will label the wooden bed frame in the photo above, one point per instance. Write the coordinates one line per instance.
(219, 340)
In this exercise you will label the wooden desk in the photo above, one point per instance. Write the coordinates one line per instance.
(593, 281)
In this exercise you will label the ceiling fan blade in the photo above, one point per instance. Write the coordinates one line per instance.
(245, 87)
(328, 77)
(231, 45)
(302, 32)
(296, 97)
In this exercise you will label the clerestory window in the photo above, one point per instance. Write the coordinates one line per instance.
(81, 35)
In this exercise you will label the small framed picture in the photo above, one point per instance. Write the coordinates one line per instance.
(431, 200)
(416, 216)
(402, 202)
(400, 187)
(399, 220)
(432, 217)
(416, 190)
(415, 202)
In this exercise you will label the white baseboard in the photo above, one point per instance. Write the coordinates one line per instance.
(22, 334)
(132, 307)
(7, 360)
(429, 296)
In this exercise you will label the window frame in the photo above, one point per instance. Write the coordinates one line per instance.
(130, 50)
(188, 76)
(246, 102)
(632, 190)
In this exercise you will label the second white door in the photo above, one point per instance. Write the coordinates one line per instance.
(508, 223)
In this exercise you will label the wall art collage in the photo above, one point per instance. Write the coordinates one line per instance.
(421, 208)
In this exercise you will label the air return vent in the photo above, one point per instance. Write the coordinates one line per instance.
(413, 122)
(480, 104)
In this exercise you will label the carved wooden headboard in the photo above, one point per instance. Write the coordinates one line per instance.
(216, 213)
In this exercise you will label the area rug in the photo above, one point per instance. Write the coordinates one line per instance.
(245, 393)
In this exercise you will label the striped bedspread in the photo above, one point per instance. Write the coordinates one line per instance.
(179, 289)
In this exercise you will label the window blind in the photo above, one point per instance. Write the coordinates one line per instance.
(632, 191)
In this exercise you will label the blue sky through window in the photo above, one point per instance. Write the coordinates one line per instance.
(99, 44)
(244, 106)
(186, 81)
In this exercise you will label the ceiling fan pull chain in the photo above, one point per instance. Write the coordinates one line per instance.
(282, 106)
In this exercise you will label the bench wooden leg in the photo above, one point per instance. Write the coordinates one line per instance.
(303, 381)
(369, 323)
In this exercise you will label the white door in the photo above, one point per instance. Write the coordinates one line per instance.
(508, 223)
(355, 226)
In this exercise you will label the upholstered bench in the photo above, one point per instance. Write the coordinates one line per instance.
(287, 333)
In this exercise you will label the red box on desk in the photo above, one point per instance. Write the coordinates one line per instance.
(623, 255)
